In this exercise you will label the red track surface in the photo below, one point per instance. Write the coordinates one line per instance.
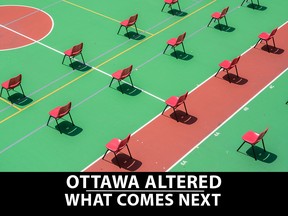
(161, 143)
(28, 21)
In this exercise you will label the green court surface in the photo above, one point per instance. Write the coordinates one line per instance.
(101, 112)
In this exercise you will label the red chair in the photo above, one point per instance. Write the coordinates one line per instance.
(218, 16)
(174, 102)
(121, 75)
(251, 3)
(174, 42)
(129, 22)
(11, 84)
(264, 36)
(253, 138)
(116, 145)
(60, 112)
(227, 65)
(73, 52)
(170, 3)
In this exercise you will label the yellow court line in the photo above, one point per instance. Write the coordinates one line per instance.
(89, 71)
(169, 26)
(8, 102)
(110, 18)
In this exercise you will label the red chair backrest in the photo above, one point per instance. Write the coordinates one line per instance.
(77, 49)
(65, 109)
(123, 143)
(235, 61)
(132, 19)
(262, 134)
(273, 32)
(15, 81)
(180, 38)
(126, 72)
(182, 99)
(224, 12)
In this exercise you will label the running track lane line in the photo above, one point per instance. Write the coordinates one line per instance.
(158, 145)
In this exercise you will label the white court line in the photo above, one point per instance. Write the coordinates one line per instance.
(188, 94)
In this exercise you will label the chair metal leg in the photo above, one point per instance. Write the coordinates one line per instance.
(273, 41)
(48, 120)
(111, 81)
(257, 42)
(22, 90)
(219, 24)
(63, 59)
(136, 29)
(105, 154)
(119, 29)
(131, 80)
(254, 152)
(71, 119)
(71, 63)
(225, 20)
(127, 32)
(218, 71)
(183, 48)
(129, 151)
(267, 46)
(117, 159)
(241, 145)
(175, 114)
(120, 86)
(236, 70)
(210, 22)
(82, 58)
(1, 92)
(179, 6)
(263, 144)
(185, 108)
(164, 109)
(163, 6)
(228, 76)
(165, 48)
(58, 126)
(175, 52)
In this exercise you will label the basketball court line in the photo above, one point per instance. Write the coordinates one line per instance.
(230, 117)
(97, 67)
(102, 15)
(90, 168)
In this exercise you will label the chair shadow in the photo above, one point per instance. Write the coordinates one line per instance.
(126, 162)
(177, 12)
(181, 55)
(183, 117)
(133, 35)
(79, 66)
(128, 89)
(234, 79)
(19, 99)
(261, 155)
(225, 28)
(272, 49)
(256, 7)
(68, 129)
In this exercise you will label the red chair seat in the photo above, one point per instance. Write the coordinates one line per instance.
(216, 15)
(172, 41)
(116, 145)
(113, 145)
(172, 101)
(251, 137)
(264, 36)
(225, 64)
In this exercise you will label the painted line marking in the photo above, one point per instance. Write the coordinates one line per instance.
(102, 15)
(96, 68)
